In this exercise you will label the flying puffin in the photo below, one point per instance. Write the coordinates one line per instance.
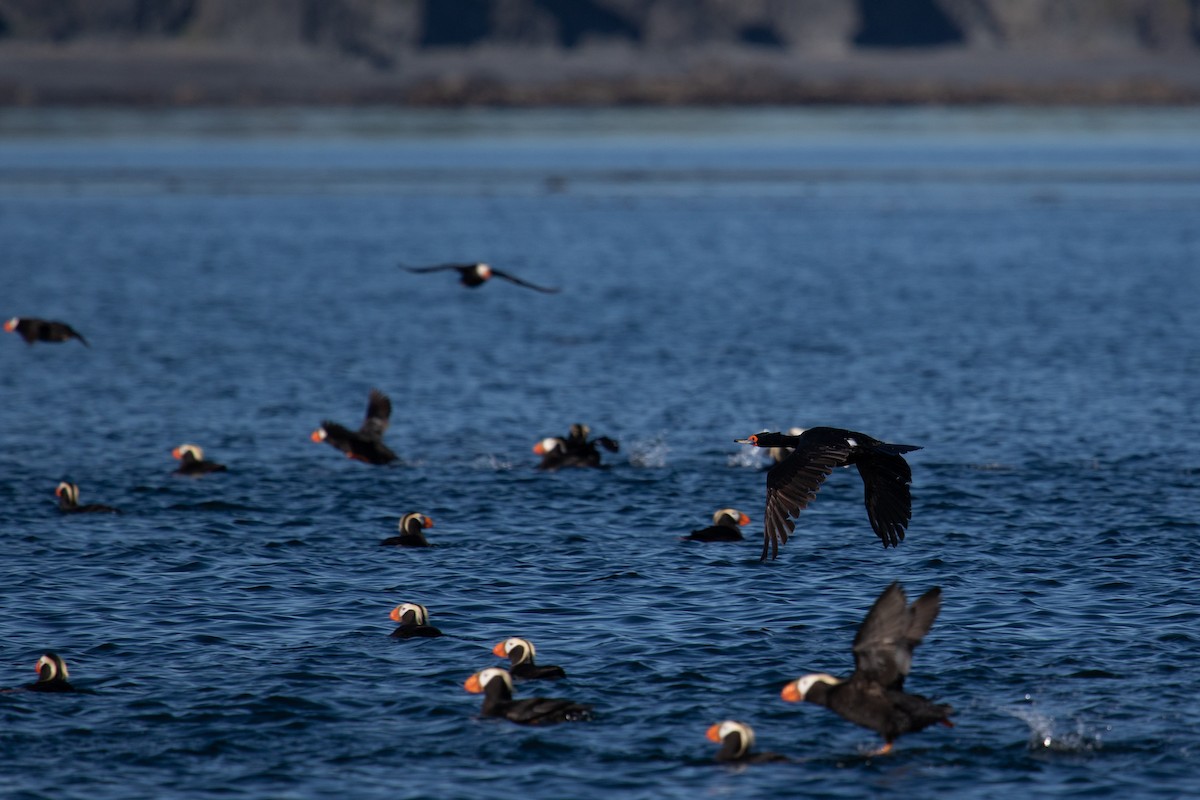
(522, 653)
(411, 525)
(725, 528)
(42, 330)
(191, 457)
(793, 483)
(365, 444)
(496, 686)
(68, 502)
(736, 739)
(479, 273)
(414, 622)
(873, 696)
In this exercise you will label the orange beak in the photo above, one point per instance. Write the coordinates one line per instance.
(713, 734)
(537, 448)
(395, 615)
(498, 650)
(743, 520)
(428, 522)
(10, 326)
(316, 436)
(472, 685)
(791, 693)
(177, 453)
(58, 491)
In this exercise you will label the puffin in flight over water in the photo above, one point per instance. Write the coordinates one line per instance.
(43, 330)
(478, 273)
(873, 696)
(793, 482)
(365, 444)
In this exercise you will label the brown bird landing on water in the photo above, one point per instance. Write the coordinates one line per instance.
(873, 696)
(793, 483)
(365, 444)
(42, 330)
(478, 273)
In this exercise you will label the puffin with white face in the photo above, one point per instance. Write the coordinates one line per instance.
(365, 444)
(736, 739)
(726, 527)
(476, 274)
(68, 501)
(52, 675)
(496, 686)
(411, 525)
(33, 330)
(873, 696)
(793, 483)
(576, 450)
(414, 622)
(521, 653)
(191, 458)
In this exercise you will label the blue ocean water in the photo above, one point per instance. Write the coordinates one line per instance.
(1014, 290)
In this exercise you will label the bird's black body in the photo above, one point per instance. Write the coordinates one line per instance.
(521, 655)
(52, 675)
(416, 632)
(726, 527)
(574, 450)
(793, 483)
(873, 696)
(365, 444)
(476, 274)
(68, 502)
(411, 527)
(42, 330)
(498, 702)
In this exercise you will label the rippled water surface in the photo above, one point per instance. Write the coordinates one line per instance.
(1015, 291)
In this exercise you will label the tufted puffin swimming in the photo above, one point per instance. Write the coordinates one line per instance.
(736, 739)
(42, 330)
(192, 461)
(522, 653)
(477, 274)
(414, 622)
(411, 525)
(68, 501)
(52, 675)
(873, 696)
(793, 483)
(496, 686)
(576, 450)
(725, 527)
(365, 444)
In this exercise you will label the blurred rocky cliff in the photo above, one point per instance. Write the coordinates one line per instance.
(595, 52)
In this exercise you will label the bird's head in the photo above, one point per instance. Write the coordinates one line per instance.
(799, 689)
(415, 521)
(767, 439)
(548, 445)
(718, 731)
(194, 450)
(12, 324)
(478, 683)
(735, 516)
(410, 614)
(67, 491)
(515, 648)
(319, 435)
(484, 271)
(51, 667)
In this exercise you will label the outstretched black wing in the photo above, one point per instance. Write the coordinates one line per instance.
(791, 486)
(440, 268)
(889, 502)
(379, 414)
(514, 279)
(892, 629)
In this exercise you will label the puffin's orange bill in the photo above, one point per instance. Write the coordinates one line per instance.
(498, 650)
(317, 435)
(10, 326)
(791, 693)
(428, 522)
(472, 685)
(743, 520)
(177, 453)
(713, 734)
(537, 448)
(58, 490)
(395, 615)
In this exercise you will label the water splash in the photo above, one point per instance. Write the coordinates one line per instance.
(1044, 735)
(649, 452)
(748, 457)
